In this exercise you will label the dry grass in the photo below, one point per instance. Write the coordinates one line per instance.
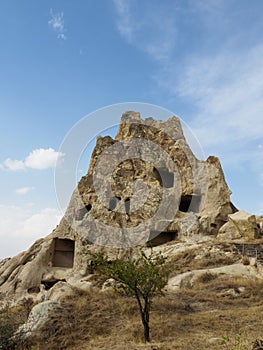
(191, 319)
(193, 259)
(245, 260)
(10, 320)
(206, 277)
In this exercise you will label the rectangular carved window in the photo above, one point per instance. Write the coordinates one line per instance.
(63, 254)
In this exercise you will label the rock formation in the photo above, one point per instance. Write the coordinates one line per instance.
(146, 185)
(240, 224)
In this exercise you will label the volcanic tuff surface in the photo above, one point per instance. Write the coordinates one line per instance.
(144, 185)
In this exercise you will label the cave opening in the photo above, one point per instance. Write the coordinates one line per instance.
(156, 239)
(127, 204)
(190, 203)
(49, 284)
(63, 253)
(83, 211)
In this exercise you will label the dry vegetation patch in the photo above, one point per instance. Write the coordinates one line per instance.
(206, 256)
(10, 320)
(193, 319)
(209, 315)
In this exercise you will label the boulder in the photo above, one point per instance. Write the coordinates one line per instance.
(81, 284)
(38, 318)
(59, 291)
(109, 285)
(240, 225)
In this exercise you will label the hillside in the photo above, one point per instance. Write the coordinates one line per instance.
(144, 188)
(195, 315)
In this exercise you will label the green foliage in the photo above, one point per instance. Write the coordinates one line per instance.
(144, 274)
(141, 275)
(239, 342)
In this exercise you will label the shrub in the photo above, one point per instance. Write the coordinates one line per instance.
(206, 277)
(239, 342)
(245, 260)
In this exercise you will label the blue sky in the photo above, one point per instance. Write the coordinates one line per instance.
(61, 60)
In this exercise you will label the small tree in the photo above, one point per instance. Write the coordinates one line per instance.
(141, 276)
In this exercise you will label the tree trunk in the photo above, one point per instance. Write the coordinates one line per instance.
(144, 316)
(146, 331)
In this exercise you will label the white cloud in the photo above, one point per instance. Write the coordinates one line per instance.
(39, 159)
(43, 158)
(13, 165)
(20, 227)
(57, 24)
(24, 190)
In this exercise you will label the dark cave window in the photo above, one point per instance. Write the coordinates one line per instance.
(161, 238)
(190, 203)
(127, 204)
(63, 253)
(88, 207)
(165, 177)
(49, 284)
(112, 204)
(82, 212)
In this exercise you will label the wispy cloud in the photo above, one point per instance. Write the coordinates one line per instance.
(13, 165)
(227, 90)
(21, 222)
(212, 71)
(24, 190)
(125, 23)
(57, 24)
(151, 29)
(39, 159)
(208, 57)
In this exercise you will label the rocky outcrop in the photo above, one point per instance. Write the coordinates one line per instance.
(259, 221)
(144, 185)
(240, 225)
(188, 279)
(147, 181)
